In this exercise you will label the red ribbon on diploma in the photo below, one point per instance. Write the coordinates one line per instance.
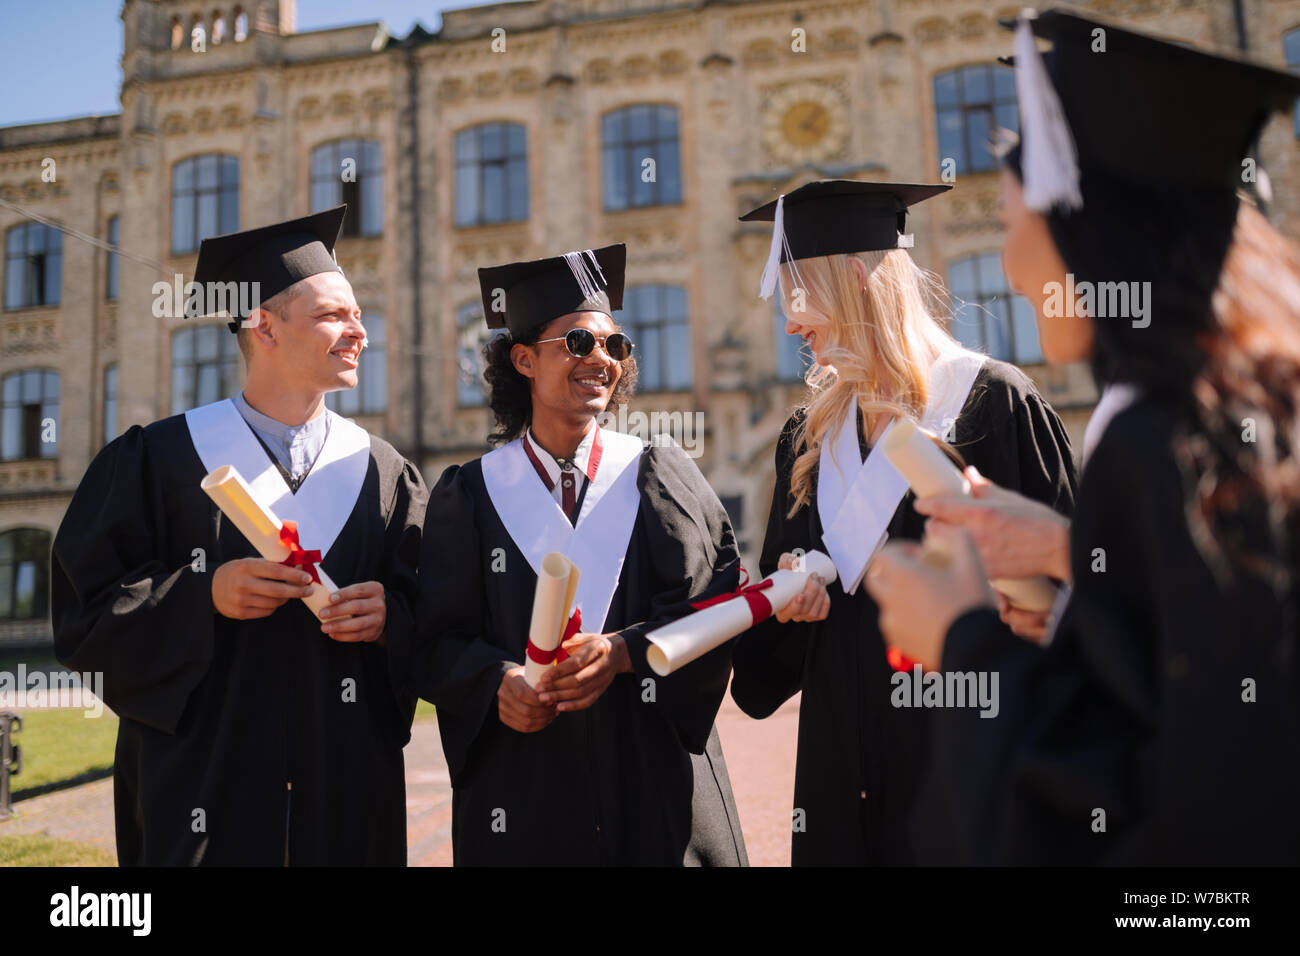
(545, 658)
(898, 660)
(760, 608)
(298, 556)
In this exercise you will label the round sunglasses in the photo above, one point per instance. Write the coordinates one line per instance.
(581, 341)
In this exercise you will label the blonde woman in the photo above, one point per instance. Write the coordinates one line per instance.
(869, 315)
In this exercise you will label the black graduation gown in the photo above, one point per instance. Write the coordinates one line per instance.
(219, 715)
(859, 758)
(1136, 707)
(637, 778)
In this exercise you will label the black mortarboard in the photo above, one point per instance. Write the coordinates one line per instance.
(274, 256)
(837, 216)
(1144, 111)
(523, 295)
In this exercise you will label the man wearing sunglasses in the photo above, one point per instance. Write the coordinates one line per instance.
(601, 762)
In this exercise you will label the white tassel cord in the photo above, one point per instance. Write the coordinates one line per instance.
(771, 271)
(586, 280)
(1049, 163)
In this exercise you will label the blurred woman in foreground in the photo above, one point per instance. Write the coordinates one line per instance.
(1159, 724)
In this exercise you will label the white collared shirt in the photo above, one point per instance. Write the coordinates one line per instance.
(581, 457)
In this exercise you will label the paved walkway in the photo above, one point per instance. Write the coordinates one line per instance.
(760, 760)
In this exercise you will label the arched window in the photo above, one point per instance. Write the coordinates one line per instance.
(491, 174)
(198, 33)
(218, 27)
(986, 316)
(178, 32)
(970, 104)
(655, 318)
(29, 414)
(241, 25)
(640, 156)
(350, 171)
(110, 403)
(205, 199)
(370, 397)
(205, 366)
(793, 358)
(33, 265)
(1291, 48)
(24, 574)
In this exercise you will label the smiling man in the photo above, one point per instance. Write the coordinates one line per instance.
(250, 732)
(601, 763)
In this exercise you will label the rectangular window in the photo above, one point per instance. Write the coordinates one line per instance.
(110, 272)
(491, 174)
(33, 266)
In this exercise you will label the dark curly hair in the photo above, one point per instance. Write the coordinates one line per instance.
(509, 395)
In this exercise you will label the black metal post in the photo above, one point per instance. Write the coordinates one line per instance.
(11, 758)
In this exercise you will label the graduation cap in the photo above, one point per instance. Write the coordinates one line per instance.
(835, 216)
(274, 256)
(1144, 111)
(523, 295)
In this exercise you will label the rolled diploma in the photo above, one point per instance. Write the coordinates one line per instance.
(930, 472)
(556, 584)
(677, 644)
(257, 523)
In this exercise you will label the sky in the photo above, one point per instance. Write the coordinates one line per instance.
(62, 58)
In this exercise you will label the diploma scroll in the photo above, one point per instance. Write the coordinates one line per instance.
(257, 523)
(557, 583)
(677, 644)
(930, 472)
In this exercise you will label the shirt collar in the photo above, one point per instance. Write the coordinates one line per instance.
(288, 434)
(581, 457)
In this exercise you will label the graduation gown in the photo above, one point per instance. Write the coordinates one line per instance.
(638, 778)
(1129, 739)
(219, 717)
(859, 758)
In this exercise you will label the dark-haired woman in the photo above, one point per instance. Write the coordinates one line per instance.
(1160, 724)
(599, 762)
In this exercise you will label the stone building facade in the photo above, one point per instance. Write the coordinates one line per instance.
(516, 131)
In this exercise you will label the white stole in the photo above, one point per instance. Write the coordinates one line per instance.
(857, 499)
(326, 497)
(597, 543)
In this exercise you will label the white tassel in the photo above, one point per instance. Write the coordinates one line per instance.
(1049, 163)
(767, 285)
(582, 275)
(906, 240)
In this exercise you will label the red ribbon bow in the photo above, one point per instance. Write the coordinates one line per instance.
(898, 660)
(539, 656)
(298, 556)
(760, 608)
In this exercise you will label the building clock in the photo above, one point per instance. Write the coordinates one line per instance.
(804, 123)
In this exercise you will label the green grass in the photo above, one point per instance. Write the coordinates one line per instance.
(424, 710)
(62, 747)
(36, 850)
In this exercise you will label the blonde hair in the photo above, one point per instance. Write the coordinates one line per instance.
(881, 337)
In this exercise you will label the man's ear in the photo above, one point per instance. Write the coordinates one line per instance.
(263, 333)
(522, 356)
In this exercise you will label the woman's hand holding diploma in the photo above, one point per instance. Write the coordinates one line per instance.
(813, 603)
(922, 589)
(1016, 536)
